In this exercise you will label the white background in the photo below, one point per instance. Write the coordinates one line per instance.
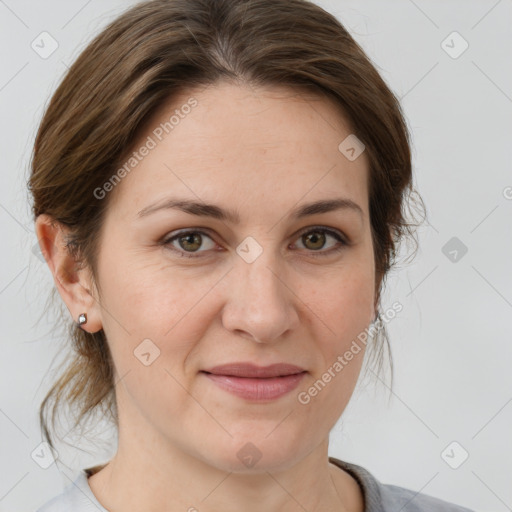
(451, 344)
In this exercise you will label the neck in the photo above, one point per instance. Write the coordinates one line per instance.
(138, 479)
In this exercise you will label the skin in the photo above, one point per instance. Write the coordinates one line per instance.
(261, 152)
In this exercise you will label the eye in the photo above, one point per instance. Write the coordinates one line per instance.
(187, 243)
(315, 238)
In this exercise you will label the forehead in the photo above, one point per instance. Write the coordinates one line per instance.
(263, 147)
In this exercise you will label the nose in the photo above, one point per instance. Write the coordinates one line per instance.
(260, 305)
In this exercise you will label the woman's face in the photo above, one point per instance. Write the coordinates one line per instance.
(266, 286)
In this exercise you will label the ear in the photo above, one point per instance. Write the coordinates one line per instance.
(75, 285)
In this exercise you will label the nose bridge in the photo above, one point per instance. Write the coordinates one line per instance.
(260, 276)
(258, 270)
(260, 302)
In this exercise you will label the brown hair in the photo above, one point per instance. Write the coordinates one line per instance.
(160, 48)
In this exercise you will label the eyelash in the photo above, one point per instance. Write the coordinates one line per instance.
(316, 254)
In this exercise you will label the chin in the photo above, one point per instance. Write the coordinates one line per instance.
(253, 454)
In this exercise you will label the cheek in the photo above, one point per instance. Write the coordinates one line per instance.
(147, 323)
(344, 300)
(152, 308)
(344, 310)
(142, 293)
(344, 307)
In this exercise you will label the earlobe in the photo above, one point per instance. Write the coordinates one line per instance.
(73, 283)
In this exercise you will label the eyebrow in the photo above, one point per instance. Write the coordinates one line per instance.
(232, 216)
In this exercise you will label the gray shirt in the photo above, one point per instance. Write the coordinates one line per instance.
(378, 497)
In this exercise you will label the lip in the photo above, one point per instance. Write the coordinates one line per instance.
(249, 370)
(256, 383)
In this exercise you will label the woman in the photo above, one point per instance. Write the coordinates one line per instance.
(219, 190)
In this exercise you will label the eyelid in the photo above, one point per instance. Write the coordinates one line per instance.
(343, 241)
(167, 240)
(335, 233)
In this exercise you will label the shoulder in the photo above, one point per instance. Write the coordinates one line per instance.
(408, 500)
(77, 496)
(59, 503)
(381, 497)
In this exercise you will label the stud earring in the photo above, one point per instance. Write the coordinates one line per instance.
(82, 319)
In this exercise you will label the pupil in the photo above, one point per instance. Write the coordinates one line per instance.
(190, 239)
(315, 239)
